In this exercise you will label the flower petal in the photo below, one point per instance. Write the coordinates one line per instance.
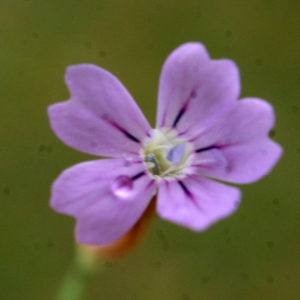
(106, 197)
(195, 90)
(101, 117)
(196, 202)
(242, 143)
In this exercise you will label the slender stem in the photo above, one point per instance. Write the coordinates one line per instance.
(81, 273)
(89, 261)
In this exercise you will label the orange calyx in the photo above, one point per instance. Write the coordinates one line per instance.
(128, 241)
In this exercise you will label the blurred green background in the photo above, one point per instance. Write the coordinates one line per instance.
(254, 254)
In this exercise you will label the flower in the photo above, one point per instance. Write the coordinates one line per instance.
(203, 132)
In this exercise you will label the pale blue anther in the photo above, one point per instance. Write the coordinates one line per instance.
(176, 153)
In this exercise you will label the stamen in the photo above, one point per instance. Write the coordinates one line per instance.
(176, 153)
(159, 147)
(166, 155)
(168, 171)
(151, 158)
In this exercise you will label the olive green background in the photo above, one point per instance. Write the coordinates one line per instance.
(255, 253)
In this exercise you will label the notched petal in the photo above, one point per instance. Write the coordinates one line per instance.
(101, 117)
(195, 90)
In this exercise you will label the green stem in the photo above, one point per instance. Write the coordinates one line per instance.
(82, 272)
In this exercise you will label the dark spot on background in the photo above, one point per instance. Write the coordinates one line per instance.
(37, 246)
(270, 244)
(198, 13)
(204, 279)
(258, 62)
(276, 211)
(19, 71)
(150, 46)
(228, 33)
(288, 276)
(242, 217)
(284, 93)
(245, 276)
(50, 244)
(159, 7)
(228, 240)
(6, 190)
(163, 240)
(88, 45)
(226, 230)
(237, 238)
(270, 279)
(156, 264)
(108, 264)
(186, 297)
(294, 108)
(227, 49)
(45, 148)
(35, 35)
(99, 8)
(102, 53)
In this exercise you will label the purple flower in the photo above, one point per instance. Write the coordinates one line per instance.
(203, 132)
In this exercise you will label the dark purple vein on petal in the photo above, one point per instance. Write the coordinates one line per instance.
(137, 176)
(193, 94)
(204, 149)
(130, 136)
(188, 193)
(180, 114)
(150, 184)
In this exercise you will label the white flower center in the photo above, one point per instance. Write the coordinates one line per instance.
(165, 154)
